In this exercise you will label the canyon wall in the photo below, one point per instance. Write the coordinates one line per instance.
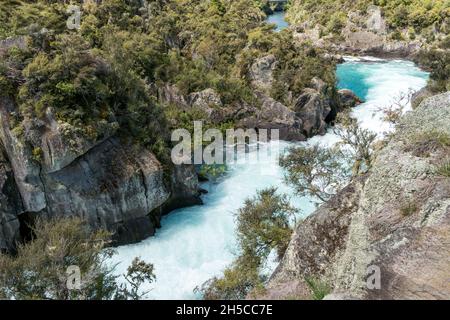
(395, 219)
(111, 183)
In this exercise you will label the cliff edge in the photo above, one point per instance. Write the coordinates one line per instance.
(387, 234)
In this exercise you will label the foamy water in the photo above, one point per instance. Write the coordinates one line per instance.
(197, 243)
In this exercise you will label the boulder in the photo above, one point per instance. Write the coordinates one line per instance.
(275, 115)
(348, 99)
(313, 110)
(208, 101)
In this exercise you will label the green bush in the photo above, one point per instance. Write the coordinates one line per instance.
(39, 268)
(443, 169)
(319, 288)
(265, 223)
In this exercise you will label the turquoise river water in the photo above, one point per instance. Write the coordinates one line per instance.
(197, 243)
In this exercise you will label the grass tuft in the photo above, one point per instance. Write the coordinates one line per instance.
(444, 168)
(318, 288)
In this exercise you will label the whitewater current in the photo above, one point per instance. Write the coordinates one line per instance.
(197, 243)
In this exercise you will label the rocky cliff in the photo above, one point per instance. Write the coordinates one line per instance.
(365, 32)
(308, 114)
(392, 223)
(113, 184)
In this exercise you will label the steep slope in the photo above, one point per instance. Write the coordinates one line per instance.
(111, 183)
(395, 220)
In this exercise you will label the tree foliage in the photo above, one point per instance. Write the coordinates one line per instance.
(316, 171)
(320, 172)
(39, 268)
(265, 223)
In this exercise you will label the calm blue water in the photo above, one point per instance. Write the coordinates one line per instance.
(278, 19)
(197, 243)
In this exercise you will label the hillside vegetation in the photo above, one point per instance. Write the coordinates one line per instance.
(416, 29)
(103, 77)
(420, 16)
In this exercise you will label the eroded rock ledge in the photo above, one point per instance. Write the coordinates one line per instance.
(396, 217)
(111, 183)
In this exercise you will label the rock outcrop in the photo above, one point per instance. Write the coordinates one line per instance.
(10, 206)
(348, 99)
(261, 73)
(113, 184)
(393, 222)
(364, 33)
(275, 115)
(308, 115)
(317, 109)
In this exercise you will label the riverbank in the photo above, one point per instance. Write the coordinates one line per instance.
(197, 243)
(384, 236)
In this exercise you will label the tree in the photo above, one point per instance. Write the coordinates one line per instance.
(40, 268)
(356, 143)
(394, 112)
(264, 223)
(315, 171)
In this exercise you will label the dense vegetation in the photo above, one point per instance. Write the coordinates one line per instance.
(105, 76)
(427, 21)
(419, 15)
(105, 79)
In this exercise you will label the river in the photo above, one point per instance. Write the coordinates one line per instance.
(277, 18)
(197, 243)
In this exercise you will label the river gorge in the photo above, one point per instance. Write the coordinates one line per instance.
(197, 243)
(244, 150)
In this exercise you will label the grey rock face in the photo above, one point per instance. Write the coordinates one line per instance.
(365, 33)
(315, 245)
(205, 100)
(26, 170)
(395, 218)
(170, 94)
(419, 96)
(375, 21)
(275, 115)
(10, 206)
(348, 99)
(316, 109)
(110, 183)
(111, 186)
(261, 73)
(313, 110)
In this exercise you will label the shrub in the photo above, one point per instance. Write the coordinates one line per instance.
(264, 224)
(424, 143)
(314, 171)
(39, 268)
